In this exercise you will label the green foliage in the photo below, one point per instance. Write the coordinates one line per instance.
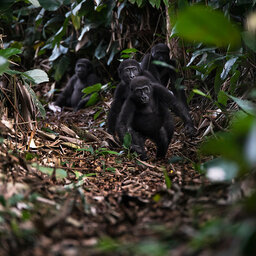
(168, 181)
(128, 53)
(202, 24)
(127, 141)
(236, 147)
(59, 173)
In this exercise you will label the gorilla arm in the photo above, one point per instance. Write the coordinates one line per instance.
(176, 106)
(146, 65)
(125, 119)
(116, 107)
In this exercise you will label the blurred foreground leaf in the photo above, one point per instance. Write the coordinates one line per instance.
(203, 24)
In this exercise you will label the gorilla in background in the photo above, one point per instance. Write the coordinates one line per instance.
(164, 75)
(127, 70)
(72, 94)
(146, 114)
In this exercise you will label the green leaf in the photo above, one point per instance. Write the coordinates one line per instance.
(61, 66)
(94, 98)
(9, 52)
(101, 50)
(36, 101)
(130, 50)
(228, 65)
(38, 76)
(4, 64)
(92, 88)
(250, 40)
(60, 173)
(127, 140)
(76, 21)
(35, 3)
(163, 64)
(222, 98)
(201, 93)
(58, 51)
(50, 5)
(168, 182)
(203, 24)
(246, 105)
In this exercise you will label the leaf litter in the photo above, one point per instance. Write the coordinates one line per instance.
(76, 192)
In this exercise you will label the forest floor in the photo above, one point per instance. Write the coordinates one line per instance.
(97, 202)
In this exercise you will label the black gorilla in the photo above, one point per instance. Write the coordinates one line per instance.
(164, 74)
(72, 94)
(127, 70)
(146, 114)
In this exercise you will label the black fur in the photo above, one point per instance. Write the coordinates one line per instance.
(72, 94)
(164, 75)
(146, 114)
(127, 70)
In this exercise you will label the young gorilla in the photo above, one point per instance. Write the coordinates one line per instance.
(146, 114)
(72, 94)
(127, 70)
(164, 75)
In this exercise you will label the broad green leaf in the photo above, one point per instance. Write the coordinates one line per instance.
(94, 98)
(92, 88)
(250, 40)
(50, 5)
(222, 98)
(57, 51)
(38, 75)
(203, 24)
(166, 2)
(246, 105)
(35, 3)
(101, 50)
(228, 65)
(36, 101)
(97, 114)
(61, 66)
(9, 52)
(4, 64)
(127, 140)
(130, 50)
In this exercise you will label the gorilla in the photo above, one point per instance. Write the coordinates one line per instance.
(127, 70)
(72, 94)
(165, 75)
(146, 114)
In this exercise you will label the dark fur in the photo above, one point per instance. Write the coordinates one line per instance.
(72, 94)
(164, 75)
(122, 91)
(152, 118)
